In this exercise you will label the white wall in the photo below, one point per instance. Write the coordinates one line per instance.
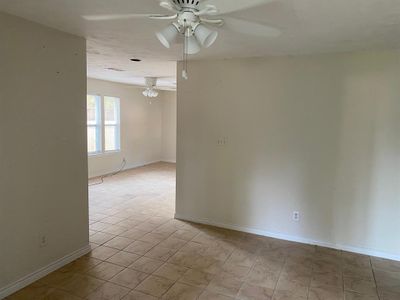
(317, 134)
(43, 161)
(141, 127)
(169, 127)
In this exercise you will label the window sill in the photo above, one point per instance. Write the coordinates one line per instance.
(106, 153)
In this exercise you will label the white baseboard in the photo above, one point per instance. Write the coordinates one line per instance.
(171, 161)
(30, 278)
(291, 238)
(127, 168)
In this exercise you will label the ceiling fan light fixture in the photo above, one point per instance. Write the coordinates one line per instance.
(150, 93)
(168, 35)
(205, 36)
(192, 45)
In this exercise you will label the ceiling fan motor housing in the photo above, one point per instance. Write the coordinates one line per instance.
(151, 81)
(192, 4)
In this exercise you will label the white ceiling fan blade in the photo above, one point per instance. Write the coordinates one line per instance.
(215, 22)
(230, 6)
(125, 17)
(161, 17)
(169, 6)
(251, 28)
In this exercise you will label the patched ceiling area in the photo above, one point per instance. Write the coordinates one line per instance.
(307, 27)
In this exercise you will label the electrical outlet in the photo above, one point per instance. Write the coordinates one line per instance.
(42, 241)
(296, 216)
(222, 141)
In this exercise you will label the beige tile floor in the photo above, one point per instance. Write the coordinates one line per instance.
(140, 252)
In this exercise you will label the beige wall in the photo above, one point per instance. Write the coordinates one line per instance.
(43, 162)
(317, 134)
(141, 127)
(169, 127)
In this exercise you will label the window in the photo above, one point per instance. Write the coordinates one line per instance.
(94, 124)
(111, 124)
(103, 124)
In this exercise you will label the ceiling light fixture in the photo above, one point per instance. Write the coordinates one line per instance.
(169, 35)
(189, 18)
(150, 91)
(189, 25)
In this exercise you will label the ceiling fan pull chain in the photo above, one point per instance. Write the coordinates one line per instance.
(185, 50)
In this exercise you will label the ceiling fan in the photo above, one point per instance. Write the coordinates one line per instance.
(150, 91)
(189, 20)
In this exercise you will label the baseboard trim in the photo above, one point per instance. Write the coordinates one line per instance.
(38, 274)
(127, 168)
(290, 238)
(171, 161)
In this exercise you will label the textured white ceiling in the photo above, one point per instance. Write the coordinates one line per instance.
(308, 27)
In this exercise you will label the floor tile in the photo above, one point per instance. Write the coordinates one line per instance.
(105, 271)
(34, 292)
(330, 279)
(160, 253)
(208, 295)
(286, 289)
(114, 229)
(325, 293)
(182, 234)
(81, 265)
(173, 243)
(56, 279)
(123, 259)
(178, 259)
(119, 242)
(182, 259)
(133, 234)
(101, 237)
(59, 295)
(81, 285)
(361, 286)
(356, 272)
(225, 284)
(102, 252)
(146, 265)
(109, 291)
(261, 276)
(254, 292)
(129, 278)
(181, 291)
(385, 264)
(356, 296)
(139, 247)
(237, 271)
(170, 271)
(197, 278)
(388, 295)
(136, 295)
(291, 295)
(153, 238)
(155, 286)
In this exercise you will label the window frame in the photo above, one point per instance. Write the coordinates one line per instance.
(117, 126)
(101, 125)
(98, 125)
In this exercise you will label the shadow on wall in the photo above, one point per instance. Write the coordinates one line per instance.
(367, 190)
